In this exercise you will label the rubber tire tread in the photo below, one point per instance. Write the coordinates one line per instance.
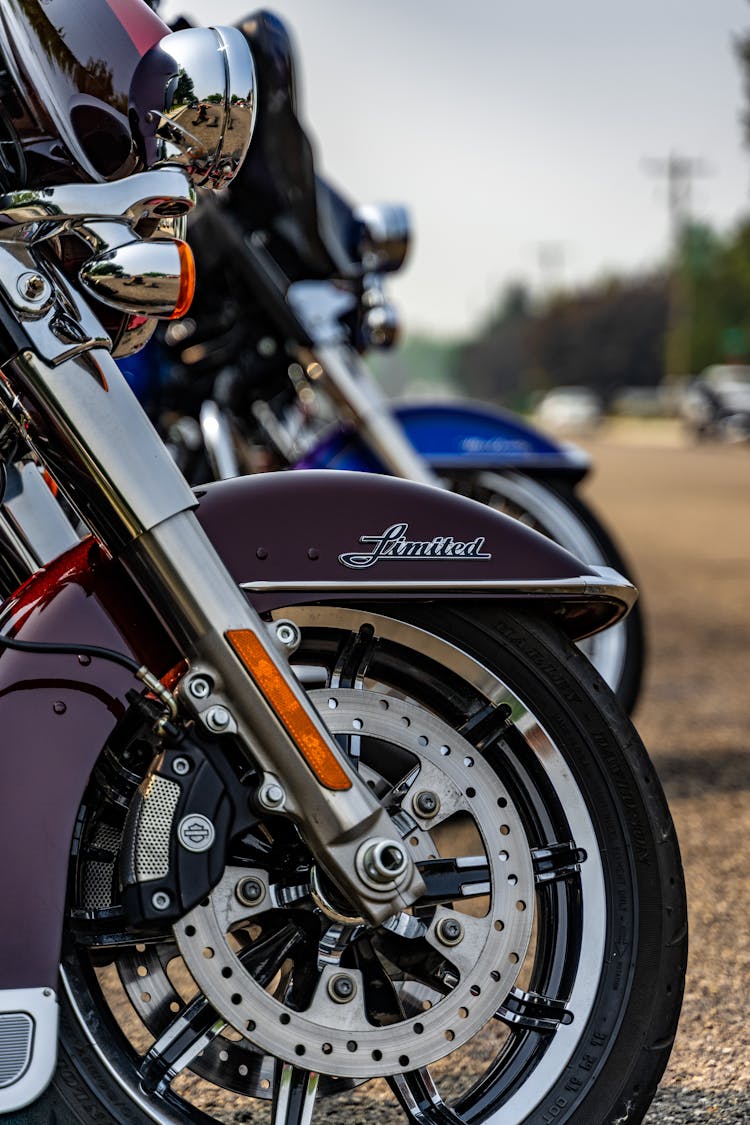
(575, 703)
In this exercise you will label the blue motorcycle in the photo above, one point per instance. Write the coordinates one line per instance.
(266, 372)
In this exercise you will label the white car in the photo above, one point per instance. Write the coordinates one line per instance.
(570, 408)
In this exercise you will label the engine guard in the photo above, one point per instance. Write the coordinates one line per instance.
(287, 539)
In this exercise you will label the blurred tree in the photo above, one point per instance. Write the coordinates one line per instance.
(718, 272)
(494, 365)
(608, 336)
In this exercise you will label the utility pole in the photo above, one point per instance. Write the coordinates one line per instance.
(679, 172)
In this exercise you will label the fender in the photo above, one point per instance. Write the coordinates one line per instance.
(458, 435)
(287, 539)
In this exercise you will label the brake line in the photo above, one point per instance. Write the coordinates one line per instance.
(140, 671)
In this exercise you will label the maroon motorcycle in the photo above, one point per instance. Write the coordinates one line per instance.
(303, 783)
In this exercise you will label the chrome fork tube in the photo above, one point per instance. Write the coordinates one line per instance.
(352, 387)
(87, 426)
(177, 568)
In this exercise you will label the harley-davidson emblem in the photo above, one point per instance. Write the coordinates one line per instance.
(393, 545)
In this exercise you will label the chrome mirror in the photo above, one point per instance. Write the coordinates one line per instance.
(193, 102)
(385, 232)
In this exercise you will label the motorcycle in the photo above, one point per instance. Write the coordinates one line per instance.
(368, 814)
(290, 278)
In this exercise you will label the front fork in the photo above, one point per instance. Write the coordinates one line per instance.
(78, 415)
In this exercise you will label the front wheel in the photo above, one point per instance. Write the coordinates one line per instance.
(557, 511)
(538, 980)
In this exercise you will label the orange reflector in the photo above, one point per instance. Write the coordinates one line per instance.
(51, 484)
(187, 280)
(298, 724)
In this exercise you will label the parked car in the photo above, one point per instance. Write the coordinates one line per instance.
(570, 408)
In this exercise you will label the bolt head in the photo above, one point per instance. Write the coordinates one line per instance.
(33, 287)
(218, 718)
(287, 634)
(249, 891)
(271, 795)
(342, 988)
(199, 687)
(181, 766)
(160, 900)
(426, 803)
(449, 931)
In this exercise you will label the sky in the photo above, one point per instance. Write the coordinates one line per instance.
(516, 131)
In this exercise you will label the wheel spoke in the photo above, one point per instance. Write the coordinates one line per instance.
(184, 1038)
(487, 725)
(294, 1094)
(450, 879)
(419, 1098)
(557, 862)
(532, 1012)
(354, 658)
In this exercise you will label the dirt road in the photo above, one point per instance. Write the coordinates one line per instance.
(683, 513)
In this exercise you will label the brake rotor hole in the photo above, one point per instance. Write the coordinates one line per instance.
(284, 1017)
(403, 1060)
(377, 1055)
(299, 1049)
(236, 998)
(326, 1048)
(352, 1045)
(208, 952)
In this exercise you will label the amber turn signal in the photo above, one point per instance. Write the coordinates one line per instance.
(297, 723)
(187, 280)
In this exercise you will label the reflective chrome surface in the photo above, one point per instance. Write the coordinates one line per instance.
(179, 571)
(217, 438)
(194, 98)
(161, 193)
(139, 277)
(36, 515)
(386, 231)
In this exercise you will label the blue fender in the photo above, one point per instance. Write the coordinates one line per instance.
(457, 435)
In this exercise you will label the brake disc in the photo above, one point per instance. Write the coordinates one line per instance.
(482, 952)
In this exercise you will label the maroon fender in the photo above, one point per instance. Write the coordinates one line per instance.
(285, 534)
(319, 535)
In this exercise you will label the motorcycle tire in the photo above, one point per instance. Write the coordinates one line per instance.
(539, 982)
(556, 510)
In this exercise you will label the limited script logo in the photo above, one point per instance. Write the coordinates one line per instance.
(393, 545)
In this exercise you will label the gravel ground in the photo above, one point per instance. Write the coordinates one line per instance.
(683, 515)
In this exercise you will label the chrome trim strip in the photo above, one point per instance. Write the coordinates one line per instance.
(40, 1006)
(606, 584)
